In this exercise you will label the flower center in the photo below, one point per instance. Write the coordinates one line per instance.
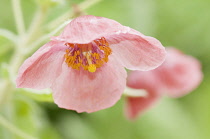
(88, 56)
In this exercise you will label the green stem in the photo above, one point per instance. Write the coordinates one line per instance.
(8, 86)
(8, 34)
(5, 123)
(131, 92)
(5, 86)
(16, 60)
(18, 56)
(87, 4)
(18, 17)
(34, 45)
(36, 23)
(70, 14)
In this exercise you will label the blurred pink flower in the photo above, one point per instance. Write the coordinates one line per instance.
(84, 66)
(177, 76)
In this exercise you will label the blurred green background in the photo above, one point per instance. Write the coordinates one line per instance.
(177, 23)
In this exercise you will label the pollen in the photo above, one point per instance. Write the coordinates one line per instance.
(91, 68)
(88, 56)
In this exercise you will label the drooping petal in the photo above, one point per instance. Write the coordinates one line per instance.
(40, 70)
(180, 73)
(85, 29)
(147, 81)
(137, 52)
(88, 92)
(136, 106)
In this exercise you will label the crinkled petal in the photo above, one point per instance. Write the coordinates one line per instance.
(88, 92)
(133, 49)
(40, 70)
(180, 73)
(85, 29)
(136, 106)
(136, 51)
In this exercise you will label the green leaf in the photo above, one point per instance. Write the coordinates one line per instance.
(39, 95)
(30, 118)
(5, 45)
(6, 49)
(73, 126)
(4, 72)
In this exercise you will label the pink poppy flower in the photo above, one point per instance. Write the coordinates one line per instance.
(84, 66)
(177, 76)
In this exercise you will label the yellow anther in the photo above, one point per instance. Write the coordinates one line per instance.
(78, 52)
(67, 51)
(79, 59)
(91, 68)
(106, 59)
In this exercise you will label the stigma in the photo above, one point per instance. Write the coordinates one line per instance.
(88, 56)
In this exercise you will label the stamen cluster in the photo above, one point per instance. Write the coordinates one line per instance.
(88, 56)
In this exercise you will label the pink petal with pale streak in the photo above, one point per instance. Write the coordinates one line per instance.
(85, 29)
(148, 81)
(89, 92)
(136, 106)
(40, 70)
(137, 52)
(180, 73)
